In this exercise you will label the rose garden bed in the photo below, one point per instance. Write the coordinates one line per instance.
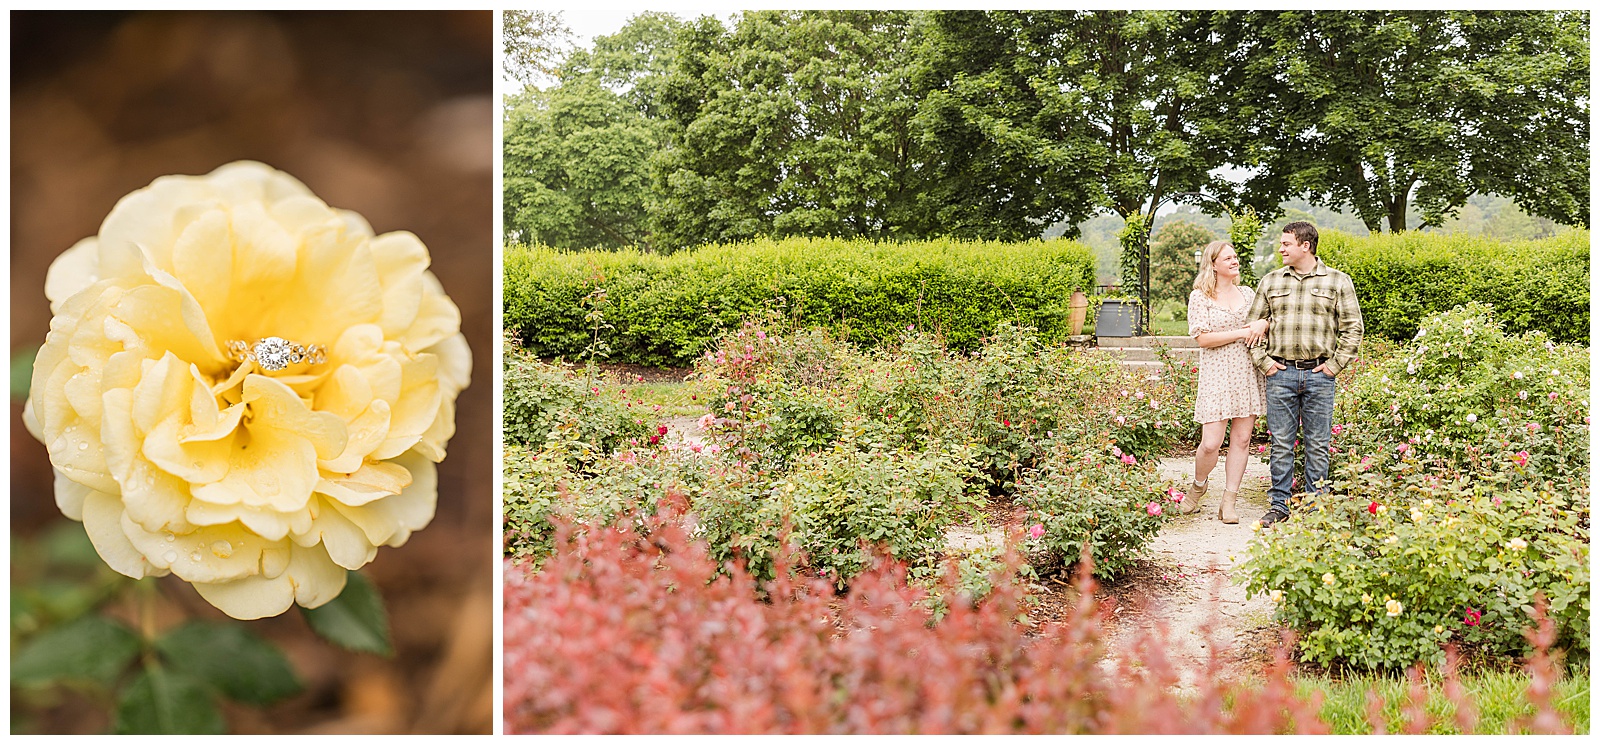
(818, 458)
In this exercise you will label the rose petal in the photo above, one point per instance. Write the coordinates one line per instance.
(310, 579)
(102, 520)
(345, 543)
(74, 270)
(390, 521)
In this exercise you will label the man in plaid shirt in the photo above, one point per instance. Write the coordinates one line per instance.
(1315, 328)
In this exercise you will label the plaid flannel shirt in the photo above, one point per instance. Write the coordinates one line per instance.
(1312, 315)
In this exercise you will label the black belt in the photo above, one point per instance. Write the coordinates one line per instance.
(1300, 364)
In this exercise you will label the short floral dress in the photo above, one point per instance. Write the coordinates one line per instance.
(1230, 386)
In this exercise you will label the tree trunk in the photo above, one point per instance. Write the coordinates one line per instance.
(1397, 206)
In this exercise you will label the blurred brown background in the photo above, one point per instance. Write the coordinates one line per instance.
(387, 114)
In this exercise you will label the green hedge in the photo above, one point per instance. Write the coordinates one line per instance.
(664, 310)
(1532, 285)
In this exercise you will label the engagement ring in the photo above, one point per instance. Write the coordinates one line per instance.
(275, 353)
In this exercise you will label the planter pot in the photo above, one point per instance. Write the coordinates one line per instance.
(1079, 314)
(1117, 318)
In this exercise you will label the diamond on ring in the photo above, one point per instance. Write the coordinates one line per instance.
(274, 353)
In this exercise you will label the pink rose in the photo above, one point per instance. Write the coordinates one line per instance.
(1153, 508)
(1036, 531)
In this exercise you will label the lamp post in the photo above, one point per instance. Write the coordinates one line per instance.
(1144, 253)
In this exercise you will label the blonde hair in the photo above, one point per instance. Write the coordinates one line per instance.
(1206, 280)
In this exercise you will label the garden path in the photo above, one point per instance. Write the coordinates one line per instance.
(1193, 561)
(1200, 598)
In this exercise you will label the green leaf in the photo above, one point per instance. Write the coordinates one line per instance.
(167, 702)
(243, 666)
(355, 620)
(90, 648)
(57, 599)
(66, 544)
(22, 372)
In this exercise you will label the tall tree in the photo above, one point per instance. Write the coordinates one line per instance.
(579, 154)
(1172, 262)
(533, 42)
(634, 61)
(1049, 115)
(1380, 110)
(793, 122)
(577, 167)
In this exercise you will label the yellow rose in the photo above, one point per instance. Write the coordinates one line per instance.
(259, 486)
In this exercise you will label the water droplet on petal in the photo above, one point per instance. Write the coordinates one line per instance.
(171, 538)
(222, 549)
(194, 556)
(170, 556)
(83, 446)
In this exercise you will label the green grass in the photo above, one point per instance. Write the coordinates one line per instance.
(1168, 327)
(1499, 696)
(675, 399)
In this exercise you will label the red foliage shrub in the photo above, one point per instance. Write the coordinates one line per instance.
(628, 632)
(1542, 669)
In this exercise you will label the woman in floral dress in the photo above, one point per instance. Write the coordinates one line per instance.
(1231, 392)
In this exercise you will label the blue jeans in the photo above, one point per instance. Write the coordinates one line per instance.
(1299, 406)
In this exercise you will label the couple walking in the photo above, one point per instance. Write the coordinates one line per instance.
(1272, 351)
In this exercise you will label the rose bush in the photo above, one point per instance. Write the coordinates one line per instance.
(566, 479)
(1461, 490)
(546, 402)
(1465, 390)
(1408, 557)
(1095, 494)
(260, 487)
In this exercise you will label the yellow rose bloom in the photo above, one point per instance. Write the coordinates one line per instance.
(260, 479)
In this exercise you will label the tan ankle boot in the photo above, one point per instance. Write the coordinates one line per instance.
(1191, 501)
(1225, 511)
